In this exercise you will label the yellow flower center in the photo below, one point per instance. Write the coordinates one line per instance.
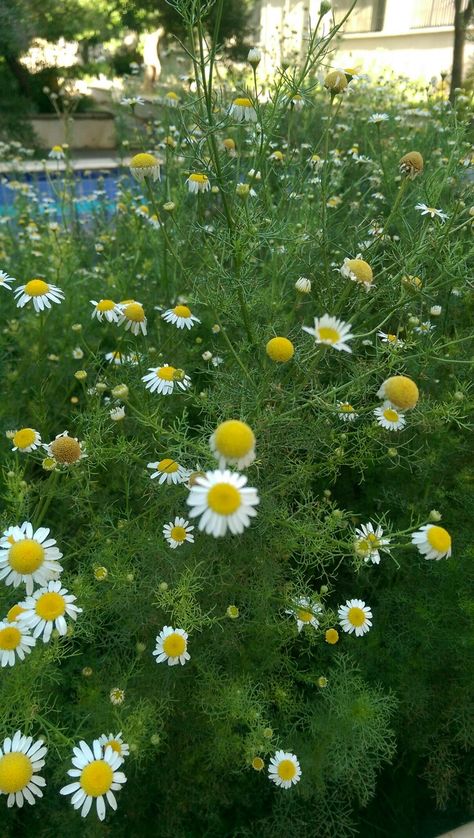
(36, 287)
(26, 556)
(329, 335)
(174, 645)
(346, 408)
(392, 338)
(57, 148)
(10, 638)
(24, 437)
(331, 636)
(182, 311)
(224, 499)
(168, 466)
(361, 270)
(115, 745)
(280, 349)
(286, 769)
(401, 391)
(166, 373)
(258, 763)
(439, 539)
(96, 778)
(243, 102)
(16, 772)
(14, 613)
(178, 533)
(304, 616)
(234, 438)
(172, 95)
(143, 161)
(50, 606)
(356, 616)
(390, 415)
(105, 305)
(198, 178)
(66, 449)
(135, 312)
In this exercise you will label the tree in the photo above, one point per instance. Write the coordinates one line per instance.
(462, 18)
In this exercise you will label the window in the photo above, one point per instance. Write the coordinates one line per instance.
(433, 13)
(367, 16)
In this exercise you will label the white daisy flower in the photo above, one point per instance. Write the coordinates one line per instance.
(65, 449)
(29, 557)
(305, 613)
(116, 357)
(107, 309)
(198, 182)
(432, 542)
(117, 696)
(115, 741)
(117, 413)
(392, 340)
(5, 279)
(377, 118)
(223, 501)
(42, 293)
(21, 757)
(163, 380)
(233, 444)
(331, 331)
(172, 646)
(77, 353)
(243, 110)
(168, 471)
(178, 532)
(57, 153)
(26, 440)
(355, 616)
(181, 317)
(15, 640)
(47, 609)
(358, 270)
(424, 328)
(133, 315)
(432, 212)
(303, 285)
(284, 769)
(97, 778)
(389, 417)
(132, 101)
(144, 166)
(369, 541)
(346, 412)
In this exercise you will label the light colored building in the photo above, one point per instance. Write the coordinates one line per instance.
(410, 37)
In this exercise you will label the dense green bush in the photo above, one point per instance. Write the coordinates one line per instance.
(396, 700)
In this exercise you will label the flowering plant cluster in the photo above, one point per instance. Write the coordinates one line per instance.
(234, 433)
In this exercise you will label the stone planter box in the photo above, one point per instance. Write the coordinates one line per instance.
(85, 130)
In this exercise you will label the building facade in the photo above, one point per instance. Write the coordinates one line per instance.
(410, 37)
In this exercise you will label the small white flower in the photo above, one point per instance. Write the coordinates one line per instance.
(178, 532)
(432, 542)
(223, 501)
(389, 418)
(163, 380)
(435, 311)
(107, 309)
(355, 616)
(28, 556)
(21, 757)
(392, 340)
(180, 316)
(424, 328)
(432, 212)
(15, 642)
(117, 413)
(95, 778)
(115, 741)
(47, 609)
(198, 182)
(369, 541)
(377, 118)
(284, 769)
(5, 279)
(26, 440)
(233, 444)
(303, 285)
(57, 153)
(117, 696)
(305, 612)
(242, 110)
(133, 315)
(346, 412)
(41, 292)
(77, 353)
(254, 56)
(172, 646)
(168, 471)
(331, 331)
(131, 101)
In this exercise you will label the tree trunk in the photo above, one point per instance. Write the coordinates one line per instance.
(461, 22)
(19, 72)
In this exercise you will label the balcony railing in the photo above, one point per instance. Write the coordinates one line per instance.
(433, 13)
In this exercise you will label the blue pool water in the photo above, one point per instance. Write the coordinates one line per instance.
(93, 190)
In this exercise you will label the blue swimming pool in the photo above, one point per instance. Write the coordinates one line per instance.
(93, 189)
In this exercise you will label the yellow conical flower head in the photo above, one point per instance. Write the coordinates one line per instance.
(401, 391)
(411, 164)
(336, 81)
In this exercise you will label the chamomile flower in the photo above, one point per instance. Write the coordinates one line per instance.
(15, 642)
(233, 444)
(411, 164)
(369, 542)
(171, 646)
(168, 471)
(65, 449)
(243, 110)
(180, 316)
(424, 328)
(47, 609)
(107, 309)
(42, 293)
(303, 285)
(358, 270)
(305, 612)
(284, 769)
(95, 778)
(21, 757)
(26, 440)
(171, 98)
(223, 501)
(432, 542)
(5, 279)
(389, 417)
(378, 118)
(133, 315)
(144, 166)
(392, 340)
(432, 212)
(117, 413)
(28, 556)
(346, 412)
(198, 182)
(400, 390)
(355, 616)
(117, 696)
(178, 532)
(14, 612)
(57, 153)
(115, 741)
(331, 331)
(164, 380)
